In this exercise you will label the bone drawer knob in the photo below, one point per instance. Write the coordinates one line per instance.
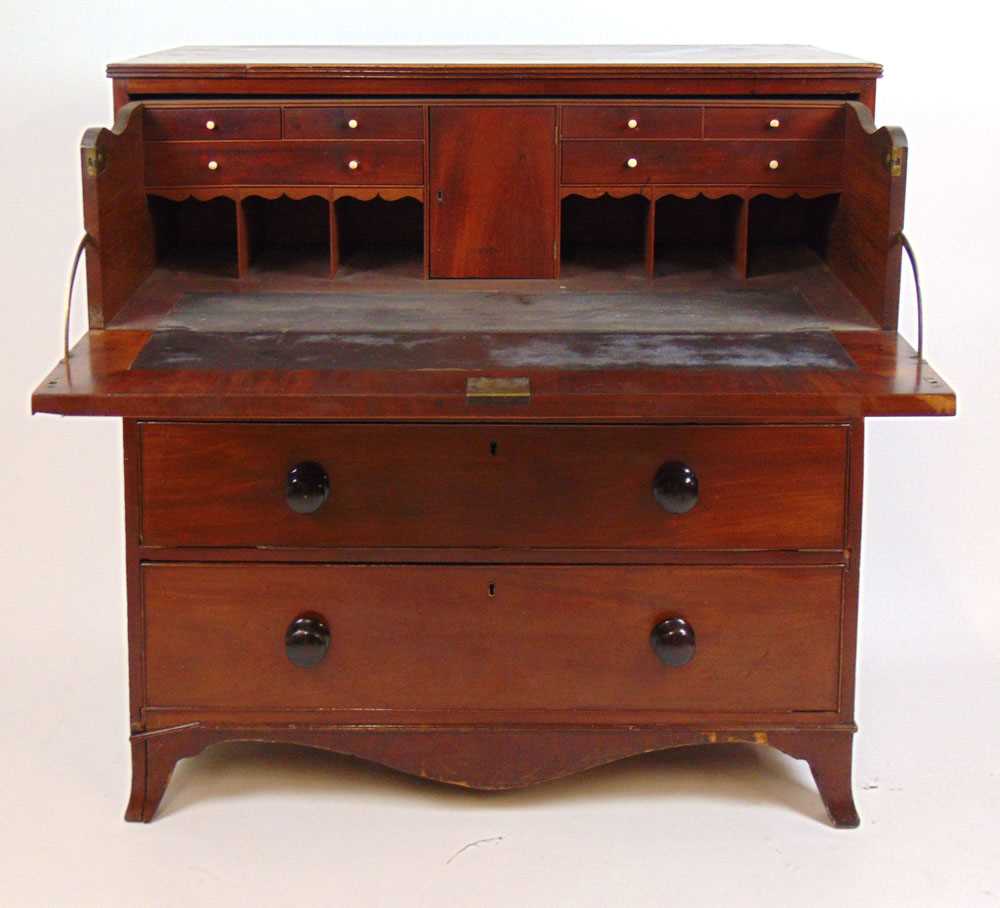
(353, 165)
(632, 163)
(774, 165)
(775, 123)
(352, 124)
(213, 165)
(633, 124)
(210, 124)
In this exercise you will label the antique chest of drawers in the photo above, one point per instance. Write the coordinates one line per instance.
(493, 413)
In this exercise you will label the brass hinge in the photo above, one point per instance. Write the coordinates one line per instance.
(96, 160)
(894, 161)
(497, 390)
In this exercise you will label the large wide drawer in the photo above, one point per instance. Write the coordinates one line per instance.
(357, 122)
(758, 487)
(280, 163)
(403, 637)
(712, 162)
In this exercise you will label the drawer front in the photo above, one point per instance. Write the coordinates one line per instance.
(497, 486)
(774, 123)
(354, 123)
(278, 163)
(635, 122)
(712, 162)
(404, 637)
(211, 123)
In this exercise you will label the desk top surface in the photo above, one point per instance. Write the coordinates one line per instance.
(516, 57)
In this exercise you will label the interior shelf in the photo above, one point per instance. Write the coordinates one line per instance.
(604, 234)
(378, 236)
(195, 236)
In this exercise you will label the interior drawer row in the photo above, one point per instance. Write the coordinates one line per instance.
(350, 637)
(504, 486)
(590, 121)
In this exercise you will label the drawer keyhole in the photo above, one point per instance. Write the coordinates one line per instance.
(491, 589)
(493, 449)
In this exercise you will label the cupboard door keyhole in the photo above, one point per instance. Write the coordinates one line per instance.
(493, 449)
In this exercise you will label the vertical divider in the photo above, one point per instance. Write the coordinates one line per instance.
(334, 235)
(242, 237)
(741, 241)
(650, 233)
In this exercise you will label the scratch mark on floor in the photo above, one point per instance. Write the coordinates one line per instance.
(491, 840)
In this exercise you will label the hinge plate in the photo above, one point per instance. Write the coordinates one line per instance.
(894, 161)
(96, 161)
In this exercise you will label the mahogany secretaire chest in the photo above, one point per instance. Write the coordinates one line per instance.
(493, 413)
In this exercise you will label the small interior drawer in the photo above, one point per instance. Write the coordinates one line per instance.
(752, 487)
(774, 123)
(714, 162)
(357, 122)
(211, 123)
(358, 163)
(401, 637)
(605, 121)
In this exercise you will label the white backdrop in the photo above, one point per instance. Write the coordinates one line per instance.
(930, 632)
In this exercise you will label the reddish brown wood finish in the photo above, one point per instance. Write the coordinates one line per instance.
(492, 637)
(267, 163)
(491, 572)
(794, 122)
(97, 381)
(489, 165)
(494, 758)
(228, 123)
(120, 247)
(390, 122)
(864, 247)
(715, 162)
(496, 486)
(608, 121)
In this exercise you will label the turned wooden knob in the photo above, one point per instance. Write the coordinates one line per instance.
(675, 487)
(632, 163)
(307, 487)
(213, 165)
(307, 640)
(633, 124)
(353, 165)
(774, 165)
(673, 642)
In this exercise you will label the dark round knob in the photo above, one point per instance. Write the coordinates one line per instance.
(307, 488)
(675, 487)
(673, 641)
(307, 640)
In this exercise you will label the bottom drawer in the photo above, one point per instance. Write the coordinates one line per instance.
(486, 637)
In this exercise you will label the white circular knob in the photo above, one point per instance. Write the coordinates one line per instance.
(213, 165)
(352, 124)
(632, 162)
(775, 123)
(353, 165)
(210, 124)
(633, 124)
(774, 165)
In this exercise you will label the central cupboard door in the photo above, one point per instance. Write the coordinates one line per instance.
(493, 192)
